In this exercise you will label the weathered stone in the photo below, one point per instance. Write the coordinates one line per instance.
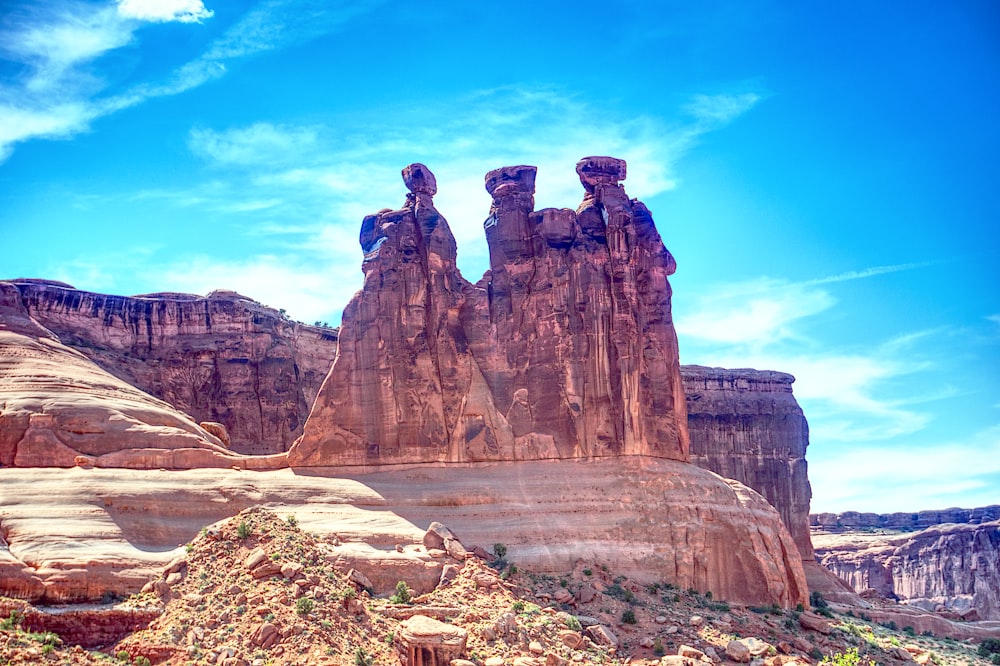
(420, 635)
(223, 358)
(746, 425)
(737, 651)
(602, 635)
(954, 568)
(471, 381)
(814, 622)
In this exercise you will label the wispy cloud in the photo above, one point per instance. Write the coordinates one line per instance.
(722, 108)
(321, 180)
(60, 47)
(870, 272)
(945, 474)
(851, 394)
(162, 11)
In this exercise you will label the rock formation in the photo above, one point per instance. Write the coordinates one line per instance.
(854, 520)
(57, 408)
(565, 348)
(222, 358)
(746, 425)
(743, 424)
(949, 567)
(78, 533)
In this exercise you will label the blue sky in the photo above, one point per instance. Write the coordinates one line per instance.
(825, 174)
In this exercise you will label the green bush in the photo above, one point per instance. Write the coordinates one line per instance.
(848, 658)
(628, 616)
(362, 658)
(303, 605)
(816, 600)
(243, 531)
(989, 646)
(402, 595)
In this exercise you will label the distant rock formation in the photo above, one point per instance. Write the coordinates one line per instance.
(854, 520)
(947, 567)
(59, 409)
(221, 358)
(746, 425)
(565, 348)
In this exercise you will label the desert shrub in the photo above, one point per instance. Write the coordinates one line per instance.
(303, 605)
(243, 531)
(989, 646)
(402, 595)
(11, 622)
(518, 606)
(849, 657)
(362, 658)
(816, 600)
(292, 520)
(573, 623)
(658, 648)
(628, 616)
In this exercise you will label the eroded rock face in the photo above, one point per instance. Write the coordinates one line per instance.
(746, 425)
(81, 532)
(59, 409)
(222, 358)
(949, 567)
(565, 348)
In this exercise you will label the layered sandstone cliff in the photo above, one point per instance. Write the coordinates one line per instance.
(57, 408)
(565, 348)
(949, 567)
(222, 358)
(856, 520)
(746, 425)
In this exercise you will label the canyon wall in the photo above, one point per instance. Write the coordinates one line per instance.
(222, 358)
(564, 349)
(59, 409)
(746, 425)
(855, 520)
(947, 567)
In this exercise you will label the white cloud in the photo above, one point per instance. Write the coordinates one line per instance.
(723, 108)
(849, 394)
(338, 176)
(753, 313)
(61, 46)
(162, 11)
(897, 478)
(256, 144)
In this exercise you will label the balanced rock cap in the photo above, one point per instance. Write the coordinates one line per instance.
(600, 170)
(419, 179)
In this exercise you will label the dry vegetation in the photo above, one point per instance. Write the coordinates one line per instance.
(258, 591)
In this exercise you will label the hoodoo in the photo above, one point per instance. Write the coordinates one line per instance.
(564, 349)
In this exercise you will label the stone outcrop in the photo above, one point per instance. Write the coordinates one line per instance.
(743, 424)
(57, 408)
(221, 358)
(855, 520)
(82, 532)
(565, 348)
(948, 567)
(746, 425)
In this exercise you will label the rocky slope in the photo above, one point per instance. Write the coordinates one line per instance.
(221, 358)
(565, 348)
(258, 588)
(73, 534)
(954, 568)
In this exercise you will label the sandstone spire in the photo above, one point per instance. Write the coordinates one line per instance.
(564, 349)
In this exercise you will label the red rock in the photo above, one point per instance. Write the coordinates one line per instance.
(221, 358)
(746, 425)
(565, 348)
(59, 405)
